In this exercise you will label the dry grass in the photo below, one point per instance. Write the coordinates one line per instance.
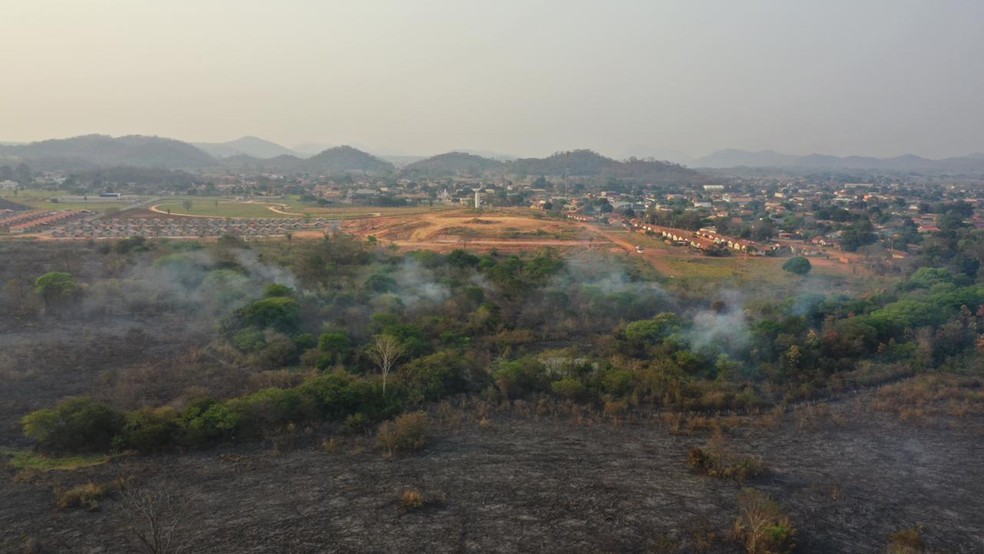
(906, 541)
(927, 396)
(85, 496)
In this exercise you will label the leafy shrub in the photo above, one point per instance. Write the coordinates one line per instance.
(205, 421)
(271, 408)
(249, 340)
(149, 430)
(434, 376)
(797, 265)
(569, 388)
(521, 377)
(75, 424)
(407, 433)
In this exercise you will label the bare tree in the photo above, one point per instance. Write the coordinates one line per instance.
(384, 351)
(158, 519)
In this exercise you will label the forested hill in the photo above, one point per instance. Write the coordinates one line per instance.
(587, 163)
(346, 158)
(451, 164)
(248, 146)
(101, 151)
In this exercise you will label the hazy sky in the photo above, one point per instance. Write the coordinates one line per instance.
(526, 77)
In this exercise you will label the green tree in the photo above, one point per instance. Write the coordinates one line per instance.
(75, 424)
(56, 287)
(797, 265)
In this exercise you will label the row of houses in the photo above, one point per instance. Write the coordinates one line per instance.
(706, 241)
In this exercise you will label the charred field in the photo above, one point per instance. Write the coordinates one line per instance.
(526, 482)
(574, 403)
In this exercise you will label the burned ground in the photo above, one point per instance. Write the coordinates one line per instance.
(523, 482)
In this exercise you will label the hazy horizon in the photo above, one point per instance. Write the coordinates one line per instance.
(882, 78)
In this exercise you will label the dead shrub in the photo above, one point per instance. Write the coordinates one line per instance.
(906, 541)
(411, 499)
(762, 526)
(405, 434)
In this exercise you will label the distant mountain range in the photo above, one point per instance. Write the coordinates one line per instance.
(245, 146)
(256, 154)
(973, 163)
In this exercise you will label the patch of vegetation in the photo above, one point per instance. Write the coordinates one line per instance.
(33, 461)
(762, 526)
(722, 463)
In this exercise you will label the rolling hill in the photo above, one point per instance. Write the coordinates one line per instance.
(254, 147)
(342, 159)
(590, 164)
(451, 164)
(91, 151)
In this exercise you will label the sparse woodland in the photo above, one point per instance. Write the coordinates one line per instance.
(160, 348)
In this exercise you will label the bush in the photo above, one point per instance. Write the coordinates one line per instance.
(434, 376)
(407, 433)
(797, 265)
(206, 420)
(249, 340)
(521, 377)
(724, 465)
(149, 430)
(569, 388)
(75, 424)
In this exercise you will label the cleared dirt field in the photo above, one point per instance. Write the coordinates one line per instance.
(450, 229)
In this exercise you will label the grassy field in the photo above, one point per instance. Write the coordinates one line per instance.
(289, 207)
(42, 200)
(220, 207)
(763, 276)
